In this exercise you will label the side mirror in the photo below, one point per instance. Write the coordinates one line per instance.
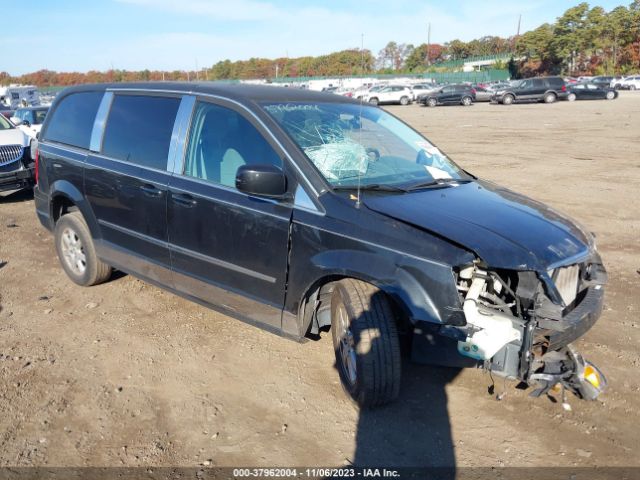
(26, 123)
(262, 180)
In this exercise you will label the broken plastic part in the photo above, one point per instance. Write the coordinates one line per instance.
(494, 330)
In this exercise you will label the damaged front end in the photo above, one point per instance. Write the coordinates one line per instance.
(520, 324)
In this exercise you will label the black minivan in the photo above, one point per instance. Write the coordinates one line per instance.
(302, 211)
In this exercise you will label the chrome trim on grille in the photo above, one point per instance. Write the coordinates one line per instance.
(10, 154)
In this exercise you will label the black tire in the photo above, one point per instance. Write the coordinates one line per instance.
(550, 97)
(431, 102)
(404, 101)
(466, 101)
(79, 259)
(508, 99)
(610, 95)
(365, 341)
(373, 101)
(571, 97)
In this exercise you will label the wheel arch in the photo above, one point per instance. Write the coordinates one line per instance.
(418, 291)
(66, 197)
(315, 306)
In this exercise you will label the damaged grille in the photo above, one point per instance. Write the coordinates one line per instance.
(10, 153)
(566, 280)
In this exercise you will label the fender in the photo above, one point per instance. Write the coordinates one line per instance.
(66, 189)
(425, 290)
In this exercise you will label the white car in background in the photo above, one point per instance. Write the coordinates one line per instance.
(420, 88)
(30, 119)
(629, 83)
(16, 164)
(389, 94)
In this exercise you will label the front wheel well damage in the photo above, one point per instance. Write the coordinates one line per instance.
(315, 308)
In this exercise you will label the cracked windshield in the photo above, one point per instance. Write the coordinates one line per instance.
(347, 141)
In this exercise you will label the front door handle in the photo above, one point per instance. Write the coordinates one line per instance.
(150, 190)
(184, 199)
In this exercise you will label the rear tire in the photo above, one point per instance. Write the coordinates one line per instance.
(632, 87)
(373, 101)
(610, 95)
(466, 101)
(404, 101)
(508, 99)
(77, 253)
(431, 102)
(571, 97)
(365, 341)
(549, 97)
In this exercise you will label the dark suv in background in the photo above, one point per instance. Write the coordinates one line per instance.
(541, 89)
(449, 95)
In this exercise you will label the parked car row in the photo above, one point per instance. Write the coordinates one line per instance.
(539, 89)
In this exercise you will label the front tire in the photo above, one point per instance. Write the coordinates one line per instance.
(432, 102)
(571, 97)
(549, 98)
(373, 101)
(466, 101)
(365, 341)
(610, 95)
(404, 101)
(508, 100)
(77, 253)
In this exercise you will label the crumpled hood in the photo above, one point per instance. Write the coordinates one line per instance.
(13, 136)
(505, 229)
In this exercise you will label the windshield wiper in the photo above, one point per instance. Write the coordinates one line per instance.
(437, 182)
(372, 187)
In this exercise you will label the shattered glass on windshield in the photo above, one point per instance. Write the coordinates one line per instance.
(347, 142)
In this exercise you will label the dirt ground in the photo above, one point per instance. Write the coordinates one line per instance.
(125, 374)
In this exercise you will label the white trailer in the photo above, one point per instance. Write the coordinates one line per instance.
(15, 96)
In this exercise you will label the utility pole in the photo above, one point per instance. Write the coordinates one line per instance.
(515, 40)
(428, 43)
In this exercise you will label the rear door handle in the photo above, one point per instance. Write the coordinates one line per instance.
(150, 190)
(184, 199)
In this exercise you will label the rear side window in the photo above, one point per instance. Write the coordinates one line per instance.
(139, 129)
(72, 120)
(555, 82)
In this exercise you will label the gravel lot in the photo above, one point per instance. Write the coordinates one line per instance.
(125, 374)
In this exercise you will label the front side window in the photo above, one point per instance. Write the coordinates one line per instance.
(72, 120)
(139, 129)
(39, 116)
(348, 143)
(221, 141)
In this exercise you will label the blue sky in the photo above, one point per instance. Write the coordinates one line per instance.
(81, 35)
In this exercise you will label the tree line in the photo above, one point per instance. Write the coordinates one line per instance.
(582, 41)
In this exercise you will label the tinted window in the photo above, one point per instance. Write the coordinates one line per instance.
(537, 82)
(139, 129)
(39, 116)
(72, 120)
(221, 141)
(555, 82)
